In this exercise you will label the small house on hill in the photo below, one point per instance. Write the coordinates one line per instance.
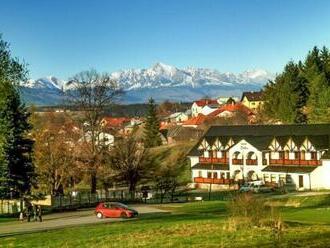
(252, 99)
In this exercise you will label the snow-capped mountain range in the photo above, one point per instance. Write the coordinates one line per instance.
(160, 81)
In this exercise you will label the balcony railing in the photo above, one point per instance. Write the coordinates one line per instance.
(294, 162)
(213, 180)
(251, 162)
(203, 160)
(237, 161)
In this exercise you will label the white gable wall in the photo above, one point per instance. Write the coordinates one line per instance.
(320, 177)
(244, 148)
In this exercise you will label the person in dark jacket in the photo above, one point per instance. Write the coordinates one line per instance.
(29, 211)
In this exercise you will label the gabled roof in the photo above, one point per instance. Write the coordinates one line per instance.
(195, 121)
(203, 102)
(270, 130)
(260, 136)
(231, 108)
(113, 122)
(252, 95)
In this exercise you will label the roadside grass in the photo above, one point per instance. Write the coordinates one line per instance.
(199, 224)
(7, 219)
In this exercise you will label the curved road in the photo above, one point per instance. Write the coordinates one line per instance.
(66, 219)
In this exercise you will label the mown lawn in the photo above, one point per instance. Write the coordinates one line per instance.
(7, 219)
(189, 225)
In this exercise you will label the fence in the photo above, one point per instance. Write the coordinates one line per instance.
(85, 199)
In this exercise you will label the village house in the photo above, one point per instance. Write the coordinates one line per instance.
(230, 109)
(252, 99)
(295, 156)
(203, 106)
(177, 117)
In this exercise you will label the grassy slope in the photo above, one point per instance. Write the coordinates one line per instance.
(190, 225)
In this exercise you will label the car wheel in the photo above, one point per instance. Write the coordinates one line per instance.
(123, 215)
(99, 215)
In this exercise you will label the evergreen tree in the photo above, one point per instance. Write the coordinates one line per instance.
(301, 92)
(151, 133)
(16, 168)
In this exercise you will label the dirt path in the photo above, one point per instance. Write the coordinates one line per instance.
(67, 219)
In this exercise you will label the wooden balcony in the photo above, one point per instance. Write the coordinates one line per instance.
(295, 162)
(237, 161)
(203, 160)
(251, 162)
(213, 180)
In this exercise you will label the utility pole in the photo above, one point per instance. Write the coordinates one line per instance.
(212, 176)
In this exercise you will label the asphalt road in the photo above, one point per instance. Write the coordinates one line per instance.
(66, 219)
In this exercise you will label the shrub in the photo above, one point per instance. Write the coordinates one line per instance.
(247, 210)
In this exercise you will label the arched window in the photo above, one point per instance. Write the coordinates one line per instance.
(237, 158)
(251, 158)
(252, 176)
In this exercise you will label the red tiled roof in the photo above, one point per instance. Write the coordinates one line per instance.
(198, 120)
(231, 108)
(115, 121)
(203, 102)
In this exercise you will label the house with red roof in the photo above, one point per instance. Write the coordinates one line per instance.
(229, 110)
(115, 122)
(204, 106)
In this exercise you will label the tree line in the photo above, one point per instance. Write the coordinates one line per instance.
(301, 93)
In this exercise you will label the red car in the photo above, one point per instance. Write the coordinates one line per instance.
(114, 210)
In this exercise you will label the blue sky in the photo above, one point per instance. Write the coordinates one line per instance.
(63, 37)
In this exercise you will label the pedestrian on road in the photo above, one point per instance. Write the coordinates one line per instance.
(35, 215)
(28, 212)
(39, 213)
(21, 216)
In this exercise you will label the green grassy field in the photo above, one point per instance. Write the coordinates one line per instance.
(193, 225)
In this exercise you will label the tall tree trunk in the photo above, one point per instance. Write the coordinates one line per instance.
(93, 181)
(132, 187)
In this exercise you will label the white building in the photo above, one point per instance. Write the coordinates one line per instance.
(293, 155)
(203, 106)
(177, 117)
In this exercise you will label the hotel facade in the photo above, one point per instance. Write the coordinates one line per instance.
(292, 155)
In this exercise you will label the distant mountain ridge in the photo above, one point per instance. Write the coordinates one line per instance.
(161, 81)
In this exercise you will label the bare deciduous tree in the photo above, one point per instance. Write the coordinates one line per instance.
(90, 93)
(131, 163)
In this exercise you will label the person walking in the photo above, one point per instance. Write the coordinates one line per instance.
(28, 212)
(39, 213)
(35, 215)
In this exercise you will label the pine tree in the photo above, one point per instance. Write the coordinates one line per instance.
(151, 133)
(16, 168)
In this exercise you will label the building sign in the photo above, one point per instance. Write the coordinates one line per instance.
(244, 146)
